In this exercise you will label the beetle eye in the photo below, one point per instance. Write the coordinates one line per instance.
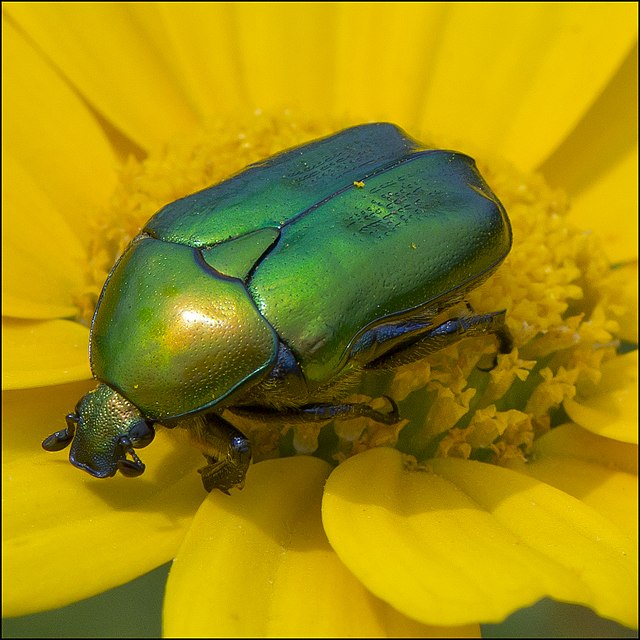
(141, 434)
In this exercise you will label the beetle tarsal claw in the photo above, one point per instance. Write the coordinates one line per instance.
(394, 414)
(505, 345)
(61, 439)
(57, 441)
(222, 475)
(129, 468)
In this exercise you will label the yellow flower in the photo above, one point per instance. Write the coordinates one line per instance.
(522, 482)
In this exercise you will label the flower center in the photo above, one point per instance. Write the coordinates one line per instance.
(561, 297)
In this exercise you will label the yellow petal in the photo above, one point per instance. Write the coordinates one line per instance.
(601, 472)
(17, 305)
(609, 207)
(258, 564)
(43, 256)
(597, 165)
(66, 535)
(202, 37)
(385, 54)
(286, 54)
(629, 284)
(571, 440)
(613, 412)
(116, 56)
(36, 354)
(612, 493)
(53, 134)
(515, 78)
(471, 541)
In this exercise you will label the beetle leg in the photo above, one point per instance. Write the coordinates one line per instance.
(321, 412)
(227, 451)
(129, 468)
(505, 345)
(413, 341)
(61, 439)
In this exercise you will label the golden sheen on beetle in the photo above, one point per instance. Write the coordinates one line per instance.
(268, 294)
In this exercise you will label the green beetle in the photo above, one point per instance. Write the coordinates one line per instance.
(269, 293)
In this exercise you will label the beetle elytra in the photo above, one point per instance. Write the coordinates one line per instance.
(262, 294)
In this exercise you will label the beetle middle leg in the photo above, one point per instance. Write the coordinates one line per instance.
(394, 344)
(321, 412)
(226, 449)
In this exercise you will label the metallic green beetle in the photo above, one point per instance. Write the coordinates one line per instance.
(267, 293)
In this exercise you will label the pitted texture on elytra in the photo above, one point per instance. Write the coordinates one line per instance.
(172, 335)
(269, 193)
(417, 231)
(419, 225)
(311, 249)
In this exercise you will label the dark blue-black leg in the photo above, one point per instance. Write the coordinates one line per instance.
(61, 439)
(394, 344)
(227, 451)
(320, 412)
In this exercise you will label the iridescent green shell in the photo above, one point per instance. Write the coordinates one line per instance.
(309, 248)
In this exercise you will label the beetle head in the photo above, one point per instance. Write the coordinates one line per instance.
(105, 428)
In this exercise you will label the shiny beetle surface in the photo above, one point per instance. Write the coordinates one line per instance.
(261, 295)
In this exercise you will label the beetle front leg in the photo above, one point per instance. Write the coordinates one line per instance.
(61, 439)
(227, 451)
(129, 468)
